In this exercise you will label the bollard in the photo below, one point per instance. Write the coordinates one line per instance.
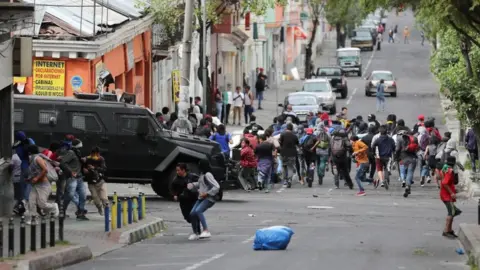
(43, 232)
(52, 229)
(478, 211)
(119, 214)
(33, 234)
(23, 248)
(114, 216)
(107, 218)
(61, 219)
(1, 239)
(125, 212)
(115, 197)
(139, 210)
(11, 238)
(144, 206)
(134, 209)
(130, 208)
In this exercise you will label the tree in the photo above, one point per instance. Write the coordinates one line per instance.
(316, 9)
(343, 13)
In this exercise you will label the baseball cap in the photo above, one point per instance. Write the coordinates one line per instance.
(421, 117)
(309, 131)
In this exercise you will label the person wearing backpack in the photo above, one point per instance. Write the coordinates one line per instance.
(288, 151)
(309, 154)
(39, 172)
(340, 147)
(384, 147)
(423, 140)
(322, 152)
(448, 196)
(429, 156)
(406, 152)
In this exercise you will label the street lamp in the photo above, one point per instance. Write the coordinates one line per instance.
(204, 56)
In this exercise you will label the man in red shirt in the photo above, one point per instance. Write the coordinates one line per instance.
(448, 195)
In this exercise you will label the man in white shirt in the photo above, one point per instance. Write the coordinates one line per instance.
(238, 100)
(227, 103)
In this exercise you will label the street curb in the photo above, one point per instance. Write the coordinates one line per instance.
(470, 243)
(140, 233)
(52, 258)
(453, 125)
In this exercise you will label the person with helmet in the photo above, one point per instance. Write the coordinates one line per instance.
(391, 123)
(372, 121)
(340, 149)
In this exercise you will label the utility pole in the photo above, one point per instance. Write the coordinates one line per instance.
(184, 102)
(204, 56)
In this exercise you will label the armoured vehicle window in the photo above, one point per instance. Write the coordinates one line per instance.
(18, 116)
(127, 124)
(45, 116)
(85, 122)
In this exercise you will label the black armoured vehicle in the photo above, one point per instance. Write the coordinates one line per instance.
(135, 146)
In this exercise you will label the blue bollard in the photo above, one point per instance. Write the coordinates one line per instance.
(119, 214)
(107, 218)
(140, 202)
(130, 211)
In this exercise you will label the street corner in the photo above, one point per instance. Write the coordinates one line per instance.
(51, 258)
(469, 237)
(145, 229)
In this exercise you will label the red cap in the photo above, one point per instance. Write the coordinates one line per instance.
(421, 117)
(324, 116)
(309, 131)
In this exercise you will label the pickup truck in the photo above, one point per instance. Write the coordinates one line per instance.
(336, 77)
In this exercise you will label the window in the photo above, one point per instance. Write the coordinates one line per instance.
(302, 100)
(382, 75)
(329, 72)
(316, 87)
(45, 116)
(86, 122)
(18, 116)
(128, 124)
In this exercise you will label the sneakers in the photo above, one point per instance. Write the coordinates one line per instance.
(205, 234)
(429, 179)
(361, 193)
(100, 210)
(450, 235)
(82, 218)
(407, 192)
(404, 184)
(193, 237)
(422, 181)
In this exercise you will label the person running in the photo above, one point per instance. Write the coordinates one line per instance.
(429, 156)
(360, 153)
(381, 87)
(253, 124)
(309, 154)
(391, 123)
(401, 127)
(208, 189)
(423, 140)
(406, 152)
(372, 121)
(390, 36)
(448, 196)
(186, 198)
(265, 153)
(322, 151)
(472, 147)
(384, 147)
(288, 151)
(420, 123)
(94, 170)
(223, 139)
(248, 163)
(340, 147)
(406, 35)
(367, 139)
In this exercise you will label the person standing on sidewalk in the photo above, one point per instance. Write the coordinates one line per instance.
(238, 101)
(360, 153)
(227, 99)
(472, 147)
(288, 151)
(94, 171)
(218, 103)
(260, 88)
(248, 101)
(41, 187)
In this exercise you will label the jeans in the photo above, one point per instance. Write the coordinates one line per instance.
(424, 170)
(401, 168)
(75, 185)
(226, 113)
(260, 98)
(219, 106)
(247, 112)
(390, 40)
(289, 169)
(247, 178)
(361, 175)
(407, 169)
(321, 165)
(265, 176)
(196, 215)
(25, 186)
(380, 103)
(373, 168)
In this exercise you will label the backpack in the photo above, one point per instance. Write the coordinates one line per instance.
(52, 175)
(424, 141)
(308, 143)
(323, 140)
(338, 147)
(412, 144)
(441, 154)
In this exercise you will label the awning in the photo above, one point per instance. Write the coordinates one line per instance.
(237, 37)
(299, 33)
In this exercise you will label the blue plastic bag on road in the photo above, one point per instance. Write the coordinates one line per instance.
(272, 238)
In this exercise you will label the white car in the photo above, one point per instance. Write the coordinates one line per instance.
(374, 78)
(322, 89)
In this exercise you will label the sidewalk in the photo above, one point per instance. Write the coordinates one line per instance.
(82, 240)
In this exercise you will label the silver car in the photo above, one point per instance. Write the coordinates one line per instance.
(374, 78)
(322, 89)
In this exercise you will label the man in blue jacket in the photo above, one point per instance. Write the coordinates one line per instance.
(20, 147)
(383, 147)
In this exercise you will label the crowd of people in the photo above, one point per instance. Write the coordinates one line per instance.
(34, 171)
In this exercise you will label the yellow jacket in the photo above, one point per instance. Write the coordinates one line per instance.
(360, 149)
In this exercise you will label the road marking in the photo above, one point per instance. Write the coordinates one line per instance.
(369, 61)
(319, 207)
(281, 190)
(161, 264)
(266, 221)
(351, 96)
(206, 261)
(250, 239)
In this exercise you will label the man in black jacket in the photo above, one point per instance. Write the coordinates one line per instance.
(187, 198)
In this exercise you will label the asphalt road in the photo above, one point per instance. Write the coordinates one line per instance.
(380, 231)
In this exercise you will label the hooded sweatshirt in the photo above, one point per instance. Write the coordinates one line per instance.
(20, 148)
(385, 146)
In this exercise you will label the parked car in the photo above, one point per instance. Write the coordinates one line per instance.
(362, 39)
(372, 27)
(322, 89)
(337, 79)
(349, 60)
(302, 104)
(374, 78)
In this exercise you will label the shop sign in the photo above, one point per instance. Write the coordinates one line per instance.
(176, 85)
(49, 78)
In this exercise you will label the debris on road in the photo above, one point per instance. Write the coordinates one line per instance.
(272, 238)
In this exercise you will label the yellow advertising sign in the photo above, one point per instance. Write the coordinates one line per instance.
(176, 85)
(49, 78)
